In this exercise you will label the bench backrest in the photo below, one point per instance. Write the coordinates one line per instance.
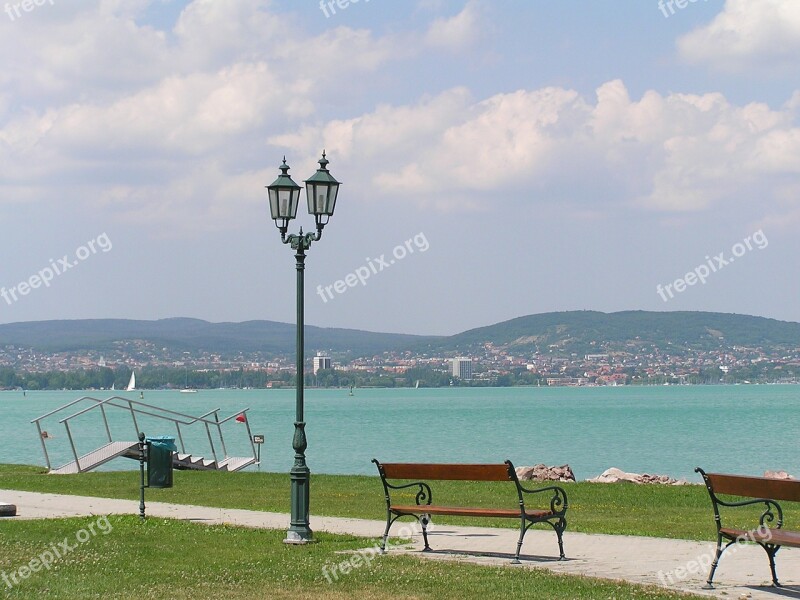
(755, 487)
(453, 472)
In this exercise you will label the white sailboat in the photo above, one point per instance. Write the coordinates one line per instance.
(186, 389)
(132, 383)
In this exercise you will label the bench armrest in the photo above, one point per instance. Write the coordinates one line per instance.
(424, 494)
(558, 502)
(772, 510)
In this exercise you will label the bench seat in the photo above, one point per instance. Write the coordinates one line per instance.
(460, 511)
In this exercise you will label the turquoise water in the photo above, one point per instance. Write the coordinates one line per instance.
(664, 430)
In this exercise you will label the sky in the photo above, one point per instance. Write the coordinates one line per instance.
(497, 158)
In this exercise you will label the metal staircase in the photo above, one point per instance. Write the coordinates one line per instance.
(112, 449)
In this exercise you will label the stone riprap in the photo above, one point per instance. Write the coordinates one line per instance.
(542, 472)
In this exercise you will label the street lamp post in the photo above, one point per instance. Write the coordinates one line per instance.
(284, 196)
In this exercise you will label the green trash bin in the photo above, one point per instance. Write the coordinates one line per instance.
(159, 461)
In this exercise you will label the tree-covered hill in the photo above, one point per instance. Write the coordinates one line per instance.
(182, 334)
(585, 331)
(558, 332)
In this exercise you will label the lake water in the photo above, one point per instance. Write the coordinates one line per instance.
(666, 430)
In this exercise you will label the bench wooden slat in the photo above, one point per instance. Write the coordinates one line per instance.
(774, 536)
(461, 511)
(444, 471)
(755, 487)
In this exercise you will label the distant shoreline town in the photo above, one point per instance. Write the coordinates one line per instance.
(575, 348)
(494, 367)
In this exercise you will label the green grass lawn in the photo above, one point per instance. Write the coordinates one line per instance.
(657, 511)
(172, 559)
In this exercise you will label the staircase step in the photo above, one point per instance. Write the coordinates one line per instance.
(236, 463)
(95, 458)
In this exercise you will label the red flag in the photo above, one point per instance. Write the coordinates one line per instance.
(241, 418)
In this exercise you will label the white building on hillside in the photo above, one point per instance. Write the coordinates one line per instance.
(462, 368)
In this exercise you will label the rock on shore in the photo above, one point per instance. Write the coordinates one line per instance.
(777, 475)
(614, 475)
(542, 472)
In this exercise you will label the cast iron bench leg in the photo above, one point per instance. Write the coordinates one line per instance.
(423, 520)
(389, 521)
(385, 537)
(522, 530)
(560, 527)
(709, 583)
(771, 551)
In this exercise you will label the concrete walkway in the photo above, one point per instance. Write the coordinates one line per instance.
(743, 573)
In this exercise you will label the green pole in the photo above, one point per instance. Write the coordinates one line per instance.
(300, 475)
(141, 475)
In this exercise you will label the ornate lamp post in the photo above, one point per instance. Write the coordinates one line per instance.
(284, 196)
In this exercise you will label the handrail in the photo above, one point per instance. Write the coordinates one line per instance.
(211, 443)
(44, 446)
(105, 420)
(74, 450)
(180, 437)
(52, 412)
(250, 436)
(221, 439)
(192, 418)
(129, 402)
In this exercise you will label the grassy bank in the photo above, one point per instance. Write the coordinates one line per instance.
(173, 559)
(657, 511)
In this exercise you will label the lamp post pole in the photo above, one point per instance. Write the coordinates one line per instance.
(284, 194)
(299, 528)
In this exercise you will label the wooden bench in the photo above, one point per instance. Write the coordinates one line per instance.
(554, 515)
(769, 532)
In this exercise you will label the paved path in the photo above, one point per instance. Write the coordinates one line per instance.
(743, 574)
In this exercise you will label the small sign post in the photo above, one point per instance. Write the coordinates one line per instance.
(258, 439)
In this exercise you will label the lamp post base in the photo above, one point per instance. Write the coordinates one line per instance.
(300, 476)
(298, 538)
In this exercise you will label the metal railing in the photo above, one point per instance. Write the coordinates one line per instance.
(135, 408)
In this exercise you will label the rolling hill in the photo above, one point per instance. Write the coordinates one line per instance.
(183, 334)
(563, 332)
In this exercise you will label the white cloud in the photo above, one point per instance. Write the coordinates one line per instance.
(671, 153)
(392, 132)
(128, 109)
(196, 201)
(147, 123)
(97, 49)
(457, 32)
(763, 34)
